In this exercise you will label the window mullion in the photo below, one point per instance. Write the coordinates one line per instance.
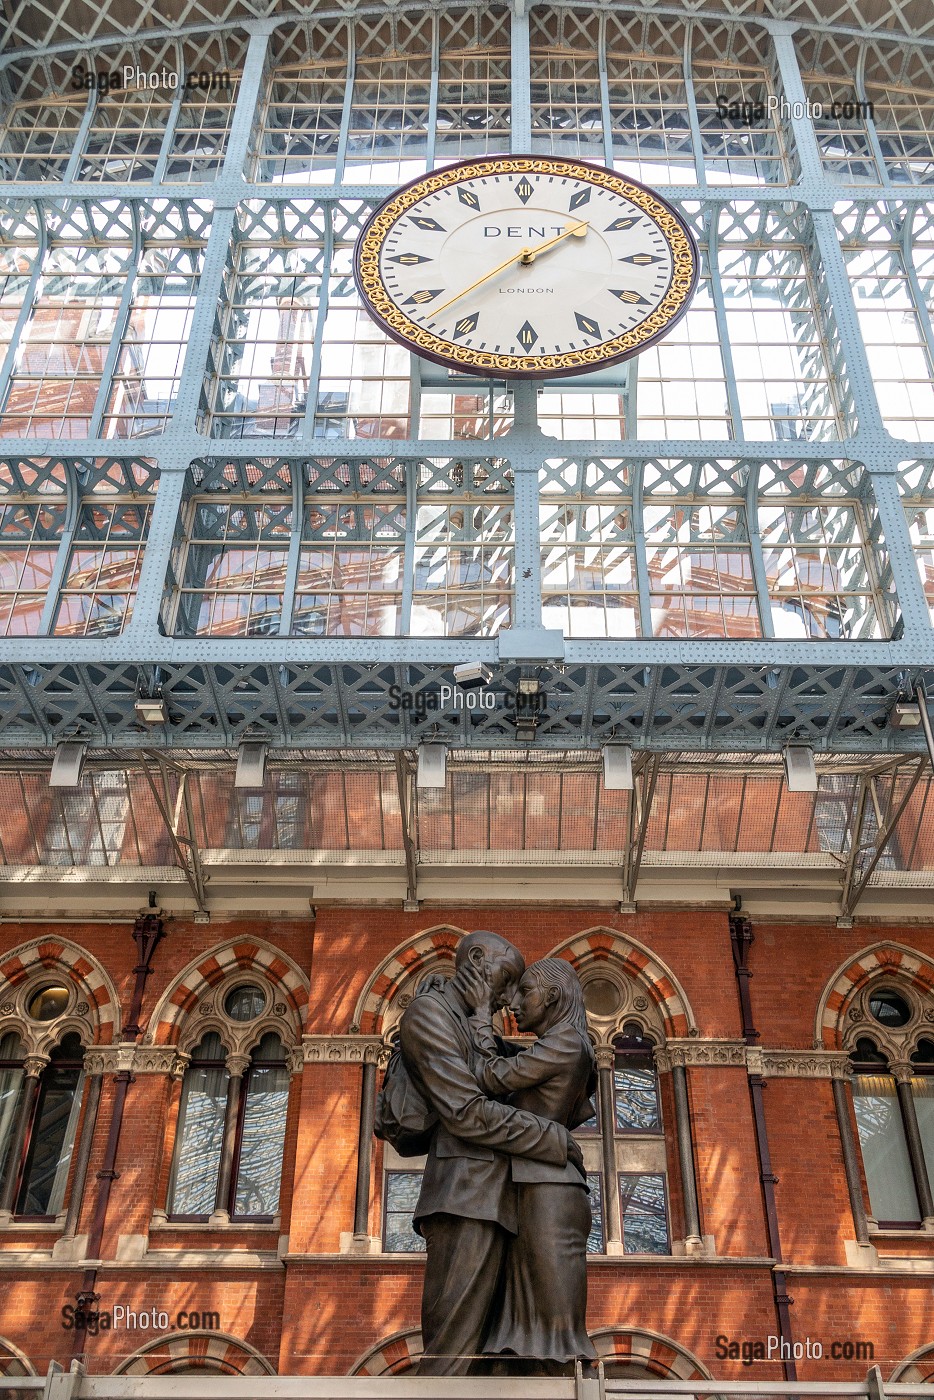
(639, 550)
(324, 300)
(408, 556)
(859, 84)
(605, 109)
(238, 1069)
(344, 133)
(295, 550)
(433, 92)
(521, 87)
(759, 573)
(171, 121)
(81, 135)
(726, 354)
(700, 169)
(903, 1076)
(56, 578)
(120, 326)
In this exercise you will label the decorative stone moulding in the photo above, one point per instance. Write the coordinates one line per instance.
(344, 1049)
(695, 1052)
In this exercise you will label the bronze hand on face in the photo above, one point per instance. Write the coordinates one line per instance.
(474, 986)
(525, 256)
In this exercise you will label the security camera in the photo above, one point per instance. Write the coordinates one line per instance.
(472, 674)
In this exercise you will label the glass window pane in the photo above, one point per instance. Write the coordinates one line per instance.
(200, 1140)
(645, 1216)
(262, 1139)
(56, 1118)
(636, 1095)
(402, 1190)
(596, 1242)
(922, 1087)
(885, 1153)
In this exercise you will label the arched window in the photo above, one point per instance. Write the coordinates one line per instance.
(892, 1196)
(629, 1108)
(231, 1127)
(50, 1133)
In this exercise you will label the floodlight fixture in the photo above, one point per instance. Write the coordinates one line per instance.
(251, 764)
(470, 675)
(617, 767)
(68, 763)
(432, 766)
(800, 772)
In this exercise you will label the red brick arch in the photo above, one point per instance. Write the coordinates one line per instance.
(916, 1369)
(214, 1352)
(14, 1362)
(74, 964)
(249, 954)
(666, 994)
(895, 960)
(648, 1352)
(392, 1356)
(400, 972)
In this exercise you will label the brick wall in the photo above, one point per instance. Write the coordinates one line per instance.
(287, 1293)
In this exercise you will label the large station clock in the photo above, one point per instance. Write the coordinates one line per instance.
(525, 266)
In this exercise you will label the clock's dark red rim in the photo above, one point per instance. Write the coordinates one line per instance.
(501, 374)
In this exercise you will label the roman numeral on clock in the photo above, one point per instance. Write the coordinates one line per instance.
(629, 296)
(468, 197)
(587, 325)
(431, 225)
(409, 259)
(621, 225)
(581, 197)
(423, 295)
(525, 189)
(527, 335)
(641, 259)
(465, 325)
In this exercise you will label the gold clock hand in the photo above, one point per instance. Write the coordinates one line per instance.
(525, 255)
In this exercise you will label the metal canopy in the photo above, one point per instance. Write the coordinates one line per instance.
(736, 694)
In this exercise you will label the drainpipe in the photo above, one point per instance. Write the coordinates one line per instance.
(147, 931)
(741, 939)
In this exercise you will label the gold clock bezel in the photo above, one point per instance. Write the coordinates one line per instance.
(393, 320)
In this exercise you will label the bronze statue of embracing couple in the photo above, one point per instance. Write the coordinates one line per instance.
(504, 1206)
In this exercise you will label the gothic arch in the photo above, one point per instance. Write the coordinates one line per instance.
(220, 964)
(650, 1352)
(14, 1362)
(916, 1369)
(216, 1352)
(94, 1012)
(665, 993)
(399, 973)
(391, 1356)
(878, 960)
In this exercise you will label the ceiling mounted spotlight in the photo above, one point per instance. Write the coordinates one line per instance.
(432, 766)
(251, 764)
(800, 772)
(905, 715)
(68, 763)
(617, 767)
(528, 685)
(526, 727)
(151, 709)
(471, 674)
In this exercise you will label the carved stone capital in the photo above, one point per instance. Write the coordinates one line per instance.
(902, 1071)
(805, 1064)
(295, 1059)
(34, 1064)
(605, 1056)
(237, 1065)
(695, 1051)
(343, 1049)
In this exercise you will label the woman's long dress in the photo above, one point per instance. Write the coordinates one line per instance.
(544, 1303)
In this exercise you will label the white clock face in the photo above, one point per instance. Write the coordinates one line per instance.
(526, 267)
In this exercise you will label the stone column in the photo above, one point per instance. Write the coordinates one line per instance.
(904, 1073)
(237, 1065)
(612, 1214)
